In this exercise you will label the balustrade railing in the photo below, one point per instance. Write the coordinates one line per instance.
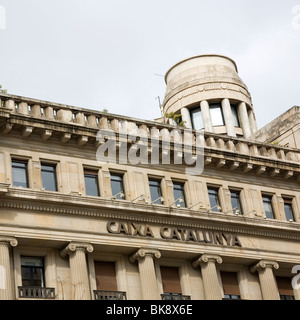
(36, 293)
(109, 295)
(122, 124)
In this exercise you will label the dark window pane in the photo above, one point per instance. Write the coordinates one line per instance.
(32, 271)
(155, 191)
(268, 207)
(235, 116)
(235, 201)
(196, 117)
(216, 115)
(288, 209)
(19, 171)
(117, 185)
(214, 199)
(91, 184)
(49, 177)
(179, 194)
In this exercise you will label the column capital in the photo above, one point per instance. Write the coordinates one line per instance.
(142, 253)
(74, 246)
(263, 264)
(8, 241)
(205, 258)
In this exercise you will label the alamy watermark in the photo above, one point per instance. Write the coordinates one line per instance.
(154, 148)
(296, 278)
(2, 17)
(296, 19)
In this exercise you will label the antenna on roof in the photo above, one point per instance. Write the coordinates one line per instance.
(160, 106)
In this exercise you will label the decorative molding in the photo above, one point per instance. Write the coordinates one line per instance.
(142, 253)
(8, 241)
(205, 258)
(263, 264)
(247, 226)
(74, 246)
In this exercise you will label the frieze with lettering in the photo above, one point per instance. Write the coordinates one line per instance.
(172, 233)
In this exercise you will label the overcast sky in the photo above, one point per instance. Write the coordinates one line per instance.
(109, 54)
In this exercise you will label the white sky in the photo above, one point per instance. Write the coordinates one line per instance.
(104, 54)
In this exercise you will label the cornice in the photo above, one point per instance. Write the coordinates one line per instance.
(129, 212)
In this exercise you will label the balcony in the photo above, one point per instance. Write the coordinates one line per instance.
(109, 295)
(174, 296)
(36, 293)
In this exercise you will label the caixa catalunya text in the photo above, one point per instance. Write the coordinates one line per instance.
(172, 233)
(140, 147)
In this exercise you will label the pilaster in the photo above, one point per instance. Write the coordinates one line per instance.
(79, 271)
(267, 279)
(145, 258)
(210, 275)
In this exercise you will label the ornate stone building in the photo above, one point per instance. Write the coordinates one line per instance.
(72, 227)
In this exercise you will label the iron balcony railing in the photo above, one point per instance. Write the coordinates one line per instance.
(109, 295)
(36, 293)
(174, 296)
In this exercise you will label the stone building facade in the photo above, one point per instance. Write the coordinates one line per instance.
(75, 228)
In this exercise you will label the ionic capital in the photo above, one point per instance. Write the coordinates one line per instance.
(205, 258)
(263, 264)
(74, 246)
(142, 253)
(8, 241)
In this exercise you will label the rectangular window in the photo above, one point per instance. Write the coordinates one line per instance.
(91, 183)
(117, 187)
(285, 288)
(288, 209)
(179, 196)
(32, 270)
(106, 279)
(155, 191)
(216, 114)
(196, 117)
(236, 202)
(19, 172)
(267, 201)
(213, 195)
(49, 177)
(230, 286)
(170, 280)
(235, 116)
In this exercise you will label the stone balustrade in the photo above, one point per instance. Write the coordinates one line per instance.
(96, 120)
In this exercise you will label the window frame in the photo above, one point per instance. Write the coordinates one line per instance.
(217, 189)
(192, 111)
(52, 165)
(235, 115)
(270, 198)
(180, 183)
(91, 173)
(121, 175)
(289, 202)
(25, 162)
(158, 180)
(213, 106)
(240, 205)
(32, 268)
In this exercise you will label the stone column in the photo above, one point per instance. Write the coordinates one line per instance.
(185, 112)
(267, 279)
(211, 282)
(145, 258)
(244, 119)
(227, 112)
(6, 285)
(204, 105)
(253, 124)
(79, 270)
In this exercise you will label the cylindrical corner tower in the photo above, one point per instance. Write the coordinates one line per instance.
(209, 94)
